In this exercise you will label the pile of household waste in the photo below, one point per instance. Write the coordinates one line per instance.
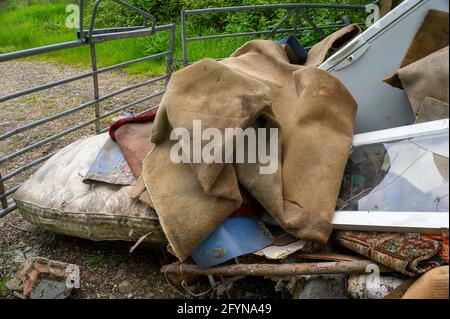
(287, 210)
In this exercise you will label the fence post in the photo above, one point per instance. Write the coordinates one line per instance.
(170, 55)
(80, 20)
(95, 82)
(3, 200)
(183, 39)
(296, 21)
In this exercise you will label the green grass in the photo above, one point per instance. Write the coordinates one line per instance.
(38, 24)
(3, 288)
(96, 260)
(31, 23)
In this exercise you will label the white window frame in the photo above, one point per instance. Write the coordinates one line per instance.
(388, 221)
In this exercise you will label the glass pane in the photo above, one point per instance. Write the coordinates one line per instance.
(408, 175)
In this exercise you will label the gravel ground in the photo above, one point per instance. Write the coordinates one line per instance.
(107, 269)
(17, 76)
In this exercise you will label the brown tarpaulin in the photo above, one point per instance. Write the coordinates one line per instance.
(255, 87)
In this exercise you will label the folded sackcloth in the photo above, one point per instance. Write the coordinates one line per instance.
(431, 37)
(431, 110)
(426, 84)
(320, 51)
(256, 87)
(132, 134)
(409, 254)
(423, 73)
(431, 285)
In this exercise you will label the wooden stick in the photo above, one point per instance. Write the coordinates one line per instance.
(328, 256)
(340, 267)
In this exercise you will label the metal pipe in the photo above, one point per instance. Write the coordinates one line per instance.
(3, 201)
(107, 31)
(169, 60)
(110, 30)
(25, 167)
(183, 39)
(311, 22)
(243, 34)
(8, 210)
(44, 86)
(80, 21)
(9, 192)
(131, 104)
(121, 35)
(93, 16)
(81, 76)
(78, 108)
(137, 114)
(39, 50)
(296, 21)
(43, 142)
(144, 14)
(95, 83)
(273, 6)
(56, 47)
(148, 110)
(278, 26)
(73, 129)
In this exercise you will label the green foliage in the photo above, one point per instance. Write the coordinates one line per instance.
(31, 23)
(42, 23)
(96, 260)
(3, 286)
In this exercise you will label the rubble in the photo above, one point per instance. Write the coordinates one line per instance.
(41, 278)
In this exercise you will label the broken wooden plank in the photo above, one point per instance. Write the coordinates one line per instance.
(433, 223)
(340, 267)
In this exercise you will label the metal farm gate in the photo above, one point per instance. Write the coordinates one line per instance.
(91, 37)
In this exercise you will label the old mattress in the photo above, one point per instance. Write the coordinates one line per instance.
(57, 199)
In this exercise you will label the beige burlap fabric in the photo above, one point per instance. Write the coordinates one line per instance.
(432, 36)
(431, 285)
(336, 40)
(426, 78)
(431, 110)
(255, 87)
(423, 73)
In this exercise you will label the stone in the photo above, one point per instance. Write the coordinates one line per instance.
(125, 287)
(324, 287)
(92, 278)
(41, 278)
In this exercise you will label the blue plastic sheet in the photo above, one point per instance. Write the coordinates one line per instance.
(237, 236)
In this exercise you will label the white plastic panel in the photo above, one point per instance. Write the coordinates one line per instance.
(376, 55)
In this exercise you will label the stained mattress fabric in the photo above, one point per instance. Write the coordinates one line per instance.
(56, 199)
